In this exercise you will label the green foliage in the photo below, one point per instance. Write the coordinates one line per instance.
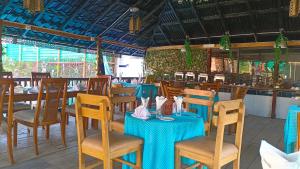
(281, 41)
(225, 45)
(171, 61)
(188, 52)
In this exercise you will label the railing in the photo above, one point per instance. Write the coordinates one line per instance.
(71, 81)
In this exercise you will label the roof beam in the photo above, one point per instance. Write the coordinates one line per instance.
(165, 36)
(99, 18)
(36, 18)
(177, 18)
(154, 10)
(224, 25)
(199, 19)
(5, 4)
(252, 18)
(74, 14)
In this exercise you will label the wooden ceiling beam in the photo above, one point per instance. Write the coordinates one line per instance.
(252, 18)
(74, 14)
(66, 34)
(177, 17)
(200, 21)
(107, 10)
(165, 36)
(233, 45)
(5, 4)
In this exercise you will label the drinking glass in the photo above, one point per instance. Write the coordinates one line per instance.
(178, 110)
(158, 113)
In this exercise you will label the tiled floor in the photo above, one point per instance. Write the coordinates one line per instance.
(55, 156)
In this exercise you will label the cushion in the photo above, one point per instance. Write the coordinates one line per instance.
(205, 146)
(17, 106)
(117, 141)
(28, 116)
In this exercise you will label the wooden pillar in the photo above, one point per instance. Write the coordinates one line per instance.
(209, 53)
(275, 83)
(100, 65)
(58, 63)
(1, 63)
(84, 65)
(223, 63)
(238, 66)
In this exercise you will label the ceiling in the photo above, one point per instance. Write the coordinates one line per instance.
(164, 22)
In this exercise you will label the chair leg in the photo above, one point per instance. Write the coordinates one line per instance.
(15, 133)
(139, 157)
(47, 132)
(10, 144)
(177, 159)
(108, 164)
(63, 133)
(81, 160)
(236, 164)
(35, 139)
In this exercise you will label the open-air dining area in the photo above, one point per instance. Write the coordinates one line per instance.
(149, 84)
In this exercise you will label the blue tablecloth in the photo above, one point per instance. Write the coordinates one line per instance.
(290, 129)
(143, 90)
(202, 110)
(160, 138)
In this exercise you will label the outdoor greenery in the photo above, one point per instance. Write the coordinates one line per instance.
(173, 60)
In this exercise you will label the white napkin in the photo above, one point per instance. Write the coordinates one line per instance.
(160, 100)
(178, 101)
(142, 112)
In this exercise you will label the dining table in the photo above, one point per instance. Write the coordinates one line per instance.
(161, 136)
(290, 129)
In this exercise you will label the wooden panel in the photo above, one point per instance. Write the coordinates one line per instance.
(197, 101)
(198, 92)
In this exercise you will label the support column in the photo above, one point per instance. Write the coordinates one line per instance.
(84, 65)
(58, 63)
(209, 53)
(1, 63)
(100, 65)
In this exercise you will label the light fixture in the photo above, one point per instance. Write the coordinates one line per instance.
(34, 5)
(135, 22)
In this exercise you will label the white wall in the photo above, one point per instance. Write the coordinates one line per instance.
(134, 66)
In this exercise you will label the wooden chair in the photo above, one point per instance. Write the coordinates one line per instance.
(187, 99)
(37, 76)
(107, 145)
(8, 85)
(52, 90)
(7, 75)
(211, 86)
(121, 97)
(237, 92)
(163, 87)
(215, 153)
(173, 91)
(97, 86)
(149, 79)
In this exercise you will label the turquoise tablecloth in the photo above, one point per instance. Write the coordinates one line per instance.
(202, 110)
(160, 138)
(143, 90)
(290, 129)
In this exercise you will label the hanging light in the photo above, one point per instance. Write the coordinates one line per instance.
(34, 5)
(135, 22)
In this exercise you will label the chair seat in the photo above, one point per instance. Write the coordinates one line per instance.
(17, 107)
(28, 116)
(117, 141)
(205, 146)
(118, 125)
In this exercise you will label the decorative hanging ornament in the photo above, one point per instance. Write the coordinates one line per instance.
(188, 52)
(281, 47)
(294, 8)
(34, 5)
(225, 44)
(135, 22)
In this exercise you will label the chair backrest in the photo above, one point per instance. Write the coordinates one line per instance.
(7, 85)
(99, 86)
(123, 95)
(173, 91)
(94, 107)
(230, 112)
(211, 86)
(239, 92)
(52, 90)
(163, 87)
(7, 75)
(37, 76)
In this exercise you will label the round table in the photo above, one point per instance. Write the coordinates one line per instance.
(160, 138)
